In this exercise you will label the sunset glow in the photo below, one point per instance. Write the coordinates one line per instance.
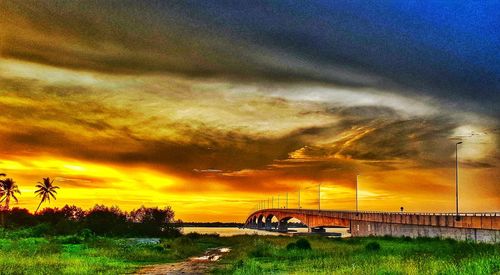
(213, 120)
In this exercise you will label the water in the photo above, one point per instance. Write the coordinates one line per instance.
(232, 231)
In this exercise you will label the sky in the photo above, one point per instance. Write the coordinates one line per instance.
(213, 107)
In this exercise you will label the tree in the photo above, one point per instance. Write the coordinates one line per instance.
(105, 221)
(9, 190)
(1, 189)
(45, 190)
(152, 221)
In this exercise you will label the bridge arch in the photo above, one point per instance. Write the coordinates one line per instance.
(264, 219)
(390, 223)
(261, 221)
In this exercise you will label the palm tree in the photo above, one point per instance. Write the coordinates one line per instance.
(46, 190)
(9, 189)
(1, 188)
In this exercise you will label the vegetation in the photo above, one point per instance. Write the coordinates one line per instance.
(95, 255)
(299, 244)
(84, 253)
(372, 246)
(46, 189)
(8, 190)
(99, 220)
(386, 255)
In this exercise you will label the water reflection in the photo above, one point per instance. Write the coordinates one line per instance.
(232, 231)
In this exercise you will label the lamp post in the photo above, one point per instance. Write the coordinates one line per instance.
(286, 200)
(357, 177)
(456, 178)
(319, 196)
(299, 197)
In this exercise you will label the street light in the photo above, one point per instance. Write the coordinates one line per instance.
(319, 196)
(357, 176)
(456, 178)
(299, 197)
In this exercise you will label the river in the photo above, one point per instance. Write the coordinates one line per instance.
(232, 231)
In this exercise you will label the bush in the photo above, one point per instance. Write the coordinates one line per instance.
(262, 249)
(70, 239)
(51, 247)
(372, 246)
(291, 246)
(407, 239)
(388, 238)
(184, 247)
(86, 234)
(451, 241)
(303, 244)
(193, 235)
(299, 244)
(353, 240)
(40, 230)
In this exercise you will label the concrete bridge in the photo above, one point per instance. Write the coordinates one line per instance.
(483, 227)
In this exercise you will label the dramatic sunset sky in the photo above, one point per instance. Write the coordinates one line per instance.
(212, 106)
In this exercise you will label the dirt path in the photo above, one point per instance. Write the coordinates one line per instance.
(194, 265)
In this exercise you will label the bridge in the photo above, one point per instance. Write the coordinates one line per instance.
(482, 227)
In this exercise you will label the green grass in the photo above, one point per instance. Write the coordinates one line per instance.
(268, 255)
(65, 255)
(250, 255)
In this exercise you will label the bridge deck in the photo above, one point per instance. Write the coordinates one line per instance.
(489, 221)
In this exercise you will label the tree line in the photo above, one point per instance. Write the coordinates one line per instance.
(99, 220)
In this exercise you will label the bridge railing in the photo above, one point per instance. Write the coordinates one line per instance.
(465, 214)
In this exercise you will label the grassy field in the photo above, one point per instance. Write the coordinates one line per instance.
(266, 255)
(250, 255)
(73, 255)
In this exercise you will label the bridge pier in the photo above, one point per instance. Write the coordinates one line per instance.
(269, 225)
(364, 228)
(283, 226)
(260, 224)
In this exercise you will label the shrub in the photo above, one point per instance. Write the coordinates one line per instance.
(291, 246)
(86, 234)
(451, 241)
(184, 247)
(101, 242)
(388, 237)
(51, 247)
(166, 243)
(407, 239)
(303, 244)
(353, 240)
(40, 230)
(299, 244)
(193, 235)
(70, 239)
(262, 249)
(372, 246)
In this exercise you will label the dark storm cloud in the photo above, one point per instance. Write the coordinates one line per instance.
(445, 49)
(78, 124)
